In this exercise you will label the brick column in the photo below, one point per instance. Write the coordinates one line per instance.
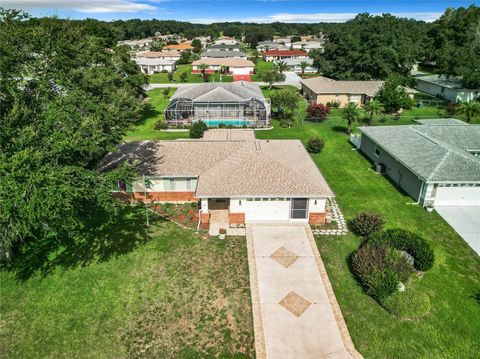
(204, 220)
(317, 217)
(236, 218)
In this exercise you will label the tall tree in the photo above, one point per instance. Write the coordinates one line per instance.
(303, 65)
(271, 77)
(66, 101)
(373, 107)
(280, 66)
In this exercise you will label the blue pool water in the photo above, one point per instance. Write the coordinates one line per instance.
(228, 122)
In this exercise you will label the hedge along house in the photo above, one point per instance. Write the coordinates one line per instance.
(437, 162)
(228, 172)
(324, 90)
(237, 104)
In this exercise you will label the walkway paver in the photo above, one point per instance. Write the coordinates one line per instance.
(295, 311)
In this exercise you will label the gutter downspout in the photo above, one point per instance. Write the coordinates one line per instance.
(199, 219)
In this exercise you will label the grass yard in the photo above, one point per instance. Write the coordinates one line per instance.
(165, 293)
(162, 78)
(155, 104)
(451, 329)
(261, 67)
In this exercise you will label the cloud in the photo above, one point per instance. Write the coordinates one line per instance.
(84, 6)
(319, 17)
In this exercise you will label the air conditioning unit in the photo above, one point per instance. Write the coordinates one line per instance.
(379, 168)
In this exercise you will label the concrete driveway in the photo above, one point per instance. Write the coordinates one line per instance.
(295, 311)
(465, 220)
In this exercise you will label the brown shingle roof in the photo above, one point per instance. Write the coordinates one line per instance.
(324, 85)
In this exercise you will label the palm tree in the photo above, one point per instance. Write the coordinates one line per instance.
(350, 113)
(373, 107)
(203, 68)
(280, 66)
(303, 65)
(469, 109)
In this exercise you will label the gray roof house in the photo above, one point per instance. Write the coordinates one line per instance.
(436, 162)
(448, 88)
(229, 171)
(223, 47)
(237, 104)
(223, 54)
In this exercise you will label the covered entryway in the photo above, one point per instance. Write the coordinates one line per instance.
(457, 196)
(218, 208)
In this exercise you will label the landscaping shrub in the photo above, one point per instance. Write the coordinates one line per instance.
(315, 144)
(161, 125)
(198, 129)
(409, 242)
(409, 304)
(317, 112)
(366, 223)
(379, 269)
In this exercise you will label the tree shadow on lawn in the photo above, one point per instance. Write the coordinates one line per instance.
(101, 239)
(148, 111)
(342, 129)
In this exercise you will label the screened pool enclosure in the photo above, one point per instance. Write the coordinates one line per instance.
(251, 112)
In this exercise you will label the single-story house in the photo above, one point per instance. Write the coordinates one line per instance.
(237, 103)
(436, 162)
(134, 44)
(294, 65)
(150, 66)
(223, 47)
(270, 45)
(323, 90)
(448, 88)
(230, 171)
(223, 54)
(283, 40)
(187, 45)
(274, 55)
(226, 40)
(307, 46)
(232, 65)
(166, 55)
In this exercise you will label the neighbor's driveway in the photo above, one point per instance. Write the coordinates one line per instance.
(295, 311)
(465, 220)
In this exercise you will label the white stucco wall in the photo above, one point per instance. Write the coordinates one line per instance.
(238, 205)
(319, 207)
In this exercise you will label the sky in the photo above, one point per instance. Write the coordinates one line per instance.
(208, 11)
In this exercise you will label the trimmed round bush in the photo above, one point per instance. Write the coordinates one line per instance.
(198, 129)
(364, 223)
(315, 145)
(406, 241)
(379, 269)
(410, 304)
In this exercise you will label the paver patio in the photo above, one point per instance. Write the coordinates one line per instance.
(295, 312)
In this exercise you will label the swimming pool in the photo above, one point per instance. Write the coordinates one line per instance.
(228, 122)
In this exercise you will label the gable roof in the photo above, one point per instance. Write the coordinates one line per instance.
(183, 46)
(158, 54)
(220, 92)
(280, 168)
(228, 61)
(324, 85)
(223, 46)
(435, 153)
(444, 81)
(285, 53)
(220, 53)
(154, 61)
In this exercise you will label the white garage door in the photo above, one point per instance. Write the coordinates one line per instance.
(457, 196)
(240, 70)
(267, 211)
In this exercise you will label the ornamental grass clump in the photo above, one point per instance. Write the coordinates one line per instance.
(364, 223)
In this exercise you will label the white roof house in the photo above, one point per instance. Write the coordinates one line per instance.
(250, 180)
(152, 65)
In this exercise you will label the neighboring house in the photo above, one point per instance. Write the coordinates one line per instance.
(226, 40)
(323, 90)
(237, 103)
(294, 65)
(223, 47)
(229, 171)
(437, 162)
(223, 54)
(270, 45)
(448, 88)
(187, 45)
(283, 40)
(166, 55)
(231, 65)
(136, 44)
(152, 65)
(307, 46)
(274, 55)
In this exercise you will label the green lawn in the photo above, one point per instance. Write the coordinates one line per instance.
(261, 67)
(155, 104)
(451, 329)
(162, 78)
(165, 293)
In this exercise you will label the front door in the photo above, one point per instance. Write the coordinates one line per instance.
(299, 208)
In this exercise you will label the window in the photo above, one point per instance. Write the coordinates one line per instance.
(172, 184)
(299, 208)
(377, 151)
(188, 184)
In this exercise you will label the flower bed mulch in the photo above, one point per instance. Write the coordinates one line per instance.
(185, 214)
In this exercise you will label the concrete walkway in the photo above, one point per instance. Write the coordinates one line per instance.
(295, 311)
